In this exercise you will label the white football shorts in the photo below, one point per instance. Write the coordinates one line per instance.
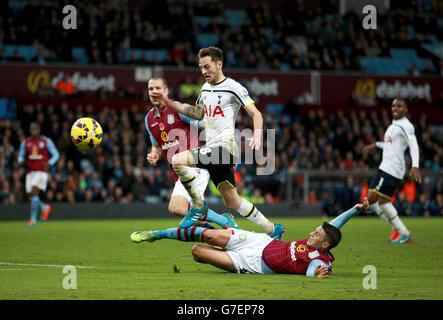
(201, 182)
(38, 179)
(245, 248)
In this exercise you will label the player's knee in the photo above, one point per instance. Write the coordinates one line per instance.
(178, 159)
(197, 250)
(232, 203)
(176, 210)
(372, 197)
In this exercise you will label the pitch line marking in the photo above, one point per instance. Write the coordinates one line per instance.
(40, 265)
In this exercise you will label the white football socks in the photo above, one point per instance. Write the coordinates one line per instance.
(250, 212)
(376, 208)
(187, 178)
(392, 214)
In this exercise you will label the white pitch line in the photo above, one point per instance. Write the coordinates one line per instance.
(41, 265)
(24, 269)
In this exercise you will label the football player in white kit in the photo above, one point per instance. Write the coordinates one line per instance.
(398, 137)
(219, 101)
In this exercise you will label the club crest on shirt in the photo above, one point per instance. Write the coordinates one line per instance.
(242, 237)
(171, 119)
(41, 144)
(313, 254)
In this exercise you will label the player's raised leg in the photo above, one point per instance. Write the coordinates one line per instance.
(245, 208)
(182, 163)
(374, 205)
(213, 237)
(391, 213)
(179, 206)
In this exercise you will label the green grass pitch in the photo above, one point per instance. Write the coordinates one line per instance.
(31, 261)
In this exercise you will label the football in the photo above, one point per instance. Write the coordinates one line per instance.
(86, 133)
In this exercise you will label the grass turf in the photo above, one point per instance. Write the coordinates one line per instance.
(123, 270)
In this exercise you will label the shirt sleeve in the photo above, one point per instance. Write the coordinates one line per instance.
(55, 155)
(190, 121)
(22, 152)
(314, 264)
(153, 141)
(380, 144)
(243, 95)
(413, 146)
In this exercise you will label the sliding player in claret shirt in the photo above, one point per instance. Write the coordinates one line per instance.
(249, 252)
(37, 149)
(398, 137)
(170, 133)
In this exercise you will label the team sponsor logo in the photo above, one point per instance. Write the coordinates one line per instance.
(170, 145)
(81, 82)
(213, 113)
(164, 136)
(302, 248)
(397, 89)
(313, 254)
(171, 119)
(292, 250)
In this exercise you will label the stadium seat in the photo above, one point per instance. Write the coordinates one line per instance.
(236, 17)
(207, 39)
(79, 55)
(203, 21)
(276, 107)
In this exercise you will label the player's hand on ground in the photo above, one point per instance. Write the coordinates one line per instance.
(362, 206)
(415, 172)
(152, 158)
(321, 272)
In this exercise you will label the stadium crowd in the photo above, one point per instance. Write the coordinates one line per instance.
(292, 36)
(117, 171)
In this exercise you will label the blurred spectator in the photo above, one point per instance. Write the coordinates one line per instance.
(436, 205)
(304, 38)
(402, 205)
(65, 87)
(421, 206)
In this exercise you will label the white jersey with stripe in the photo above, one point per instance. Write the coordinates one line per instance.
(397, 138)
(221, 103)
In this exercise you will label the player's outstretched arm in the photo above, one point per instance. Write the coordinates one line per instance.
(257, 118)
(194, 112)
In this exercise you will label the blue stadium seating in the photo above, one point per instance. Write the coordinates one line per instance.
(236, 17)
(207, 39)
(79, 54)
(26, 52)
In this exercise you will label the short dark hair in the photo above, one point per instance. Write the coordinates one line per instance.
(333, 235)
(165, 82)
(401, 100)
(215, 53)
